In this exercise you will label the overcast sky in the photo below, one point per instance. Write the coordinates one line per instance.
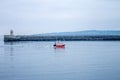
(44, 16)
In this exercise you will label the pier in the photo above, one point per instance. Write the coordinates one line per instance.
(8, 38)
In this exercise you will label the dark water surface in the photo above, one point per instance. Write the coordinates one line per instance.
(81, 60)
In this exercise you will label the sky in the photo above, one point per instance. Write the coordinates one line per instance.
(46, 16)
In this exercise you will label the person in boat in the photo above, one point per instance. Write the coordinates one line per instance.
(54, 44)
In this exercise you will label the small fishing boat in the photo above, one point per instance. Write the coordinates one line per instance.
(59, 45)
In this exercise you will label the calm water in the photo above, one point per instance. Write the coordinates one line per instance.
(82, 60)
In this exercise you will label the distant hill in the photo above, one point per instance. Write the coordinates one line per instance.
(82, 33)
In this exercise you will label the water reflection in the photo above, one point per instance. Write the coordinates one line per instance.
(13, 43)
(9, 49)
(8, 60)
(31, 47)
(9, 52)
(59, 49)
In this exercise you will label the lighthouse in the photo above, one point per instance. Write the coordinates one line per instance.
(11, 32)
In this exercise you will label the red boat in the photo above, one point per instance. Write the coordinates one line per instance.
(59, 45)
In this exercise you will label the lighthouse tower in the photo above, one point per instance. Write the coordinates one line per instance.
(11, 32)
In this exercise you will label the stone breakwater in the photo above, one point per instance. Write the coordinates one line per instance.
(9, 38)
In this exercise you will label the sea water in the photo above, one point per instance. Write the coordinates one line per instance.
(79, 60)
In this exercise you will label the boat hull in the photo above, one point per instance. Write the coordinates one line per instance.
(59, 45)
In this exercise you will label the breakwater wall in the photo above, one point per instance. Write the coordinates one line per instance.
(9, 38)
